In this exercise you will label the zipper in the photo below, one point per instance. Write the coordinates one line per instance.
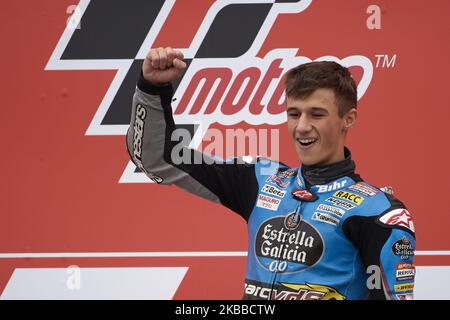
(297, 217)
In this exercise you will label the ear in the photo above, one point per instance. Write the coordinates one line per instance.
(350, 119)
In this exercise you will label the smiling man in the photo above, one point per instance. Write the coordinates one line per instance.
(314, 232)
(318, 120)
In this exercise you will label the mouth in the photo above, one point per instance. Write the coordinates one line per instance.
(306, 143)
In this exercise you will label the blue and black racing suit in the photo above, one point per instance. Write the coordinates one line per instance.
(315, 232)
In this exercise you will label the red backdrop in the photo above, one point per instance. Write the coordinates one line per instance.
(61, 190)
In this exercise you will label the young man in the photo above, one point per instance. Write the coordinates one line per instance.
(315, 232)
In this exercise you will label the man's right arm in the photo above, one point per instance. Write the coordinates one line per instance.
(152, 137)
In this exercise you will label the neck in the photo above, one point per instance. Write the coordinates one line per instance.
(324, 173)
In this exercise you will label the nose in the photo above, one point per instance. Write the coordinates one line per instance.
(303, 124)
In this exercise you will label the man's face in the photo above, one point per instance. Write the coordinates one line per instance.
(317, 130)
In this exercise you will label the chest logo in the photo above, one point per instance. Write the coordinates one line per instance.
(267, 202)
(331, 209)
(331, 187)
(273, 191)
(343, 204)
(326, 218)
(292, 221)
(280, 238)
(278, 181)
(363, 189)
(354, 198)
(304, 195)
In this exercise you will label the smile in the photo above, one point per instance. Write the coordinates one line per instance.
(306, 142)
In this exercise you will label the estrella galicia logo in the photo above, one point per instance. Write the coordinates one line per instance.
(403, 248)
(226, 81)
(298, 246)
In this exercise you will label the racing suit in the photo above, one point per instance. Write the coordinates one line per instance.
(315, 232)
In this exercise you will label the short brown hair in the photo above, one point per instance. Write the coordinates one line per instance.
(304, 79)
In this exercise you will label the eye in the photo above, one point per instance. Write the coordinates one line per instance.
(293, 114)
(317, 115)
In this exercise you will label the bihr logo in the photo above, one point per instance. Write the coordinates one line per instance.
(226, 81)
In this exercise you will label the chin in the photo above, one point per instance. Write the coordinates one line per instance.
(306, 161)
(309, 157)
(311, 160)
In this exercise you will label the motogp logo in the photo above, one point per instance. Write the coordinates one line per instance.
(226, 82)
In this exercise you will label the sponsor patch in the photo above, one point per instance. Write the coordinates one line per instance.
(363, 189)
(304, 195)
(330, 187)
(343, 204)
(278, 181)
(323, 217)
(273, 191)
(139, 122)
(398, 217)
(282, 177)
(286, 174)
(330, 209)
(404, 287)
(255, 289)
(307, 291)
(405, 271)
(404, 296)
(267, 202)
(356, 199)
(291, 222)
(291, 291)
(301, 247)
(403, 248)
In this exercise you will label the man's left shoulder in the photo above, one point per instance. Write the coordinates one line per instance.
(397, 216)
(376, 194)
(370, 200)
(381, 204)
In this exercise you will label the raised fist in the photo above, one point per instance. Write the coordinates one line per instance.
(163, 65)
